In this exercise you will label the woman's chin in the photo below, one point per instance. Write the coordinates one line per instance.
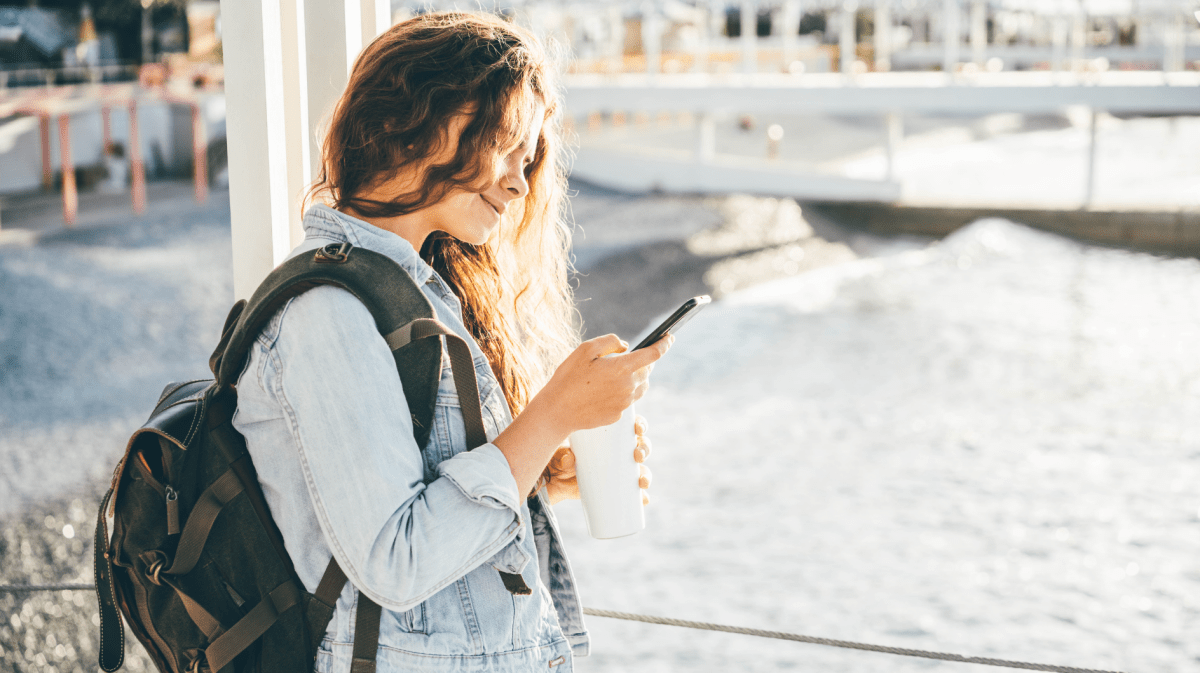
(478, 237)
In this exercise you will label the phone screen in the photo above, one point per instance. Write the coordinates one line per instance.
(676, 320)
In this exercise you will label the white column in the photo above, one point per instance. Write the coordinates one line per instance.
(258, 189)
(895, 134)
(1058, 42)
(340, 25)
(749, 38)
(789, 27)
(979, 32)
(1174, 44)
(847, 41)
(883, 35)
(295, 108)
(1090, 186)
(703, 39)
(1078, 39)
(616, 53)
(652, 40)
(376, 18)
(706, 138)
(949, 35)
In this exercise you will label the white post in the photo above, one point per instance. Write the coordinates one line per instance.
(1078, 38)
(703, 39)
(652, 40)
(1090, 188)
(895, 134)
(340, 25)
(950, 36)
(616, 54)
(979, 32)
(749, 37)
(295, 106)
(883, 35)
(376, 18)
(1058, 41)
(1174, 44)
(706, 139)
(789, 28)
(847, 41)
(258, 189)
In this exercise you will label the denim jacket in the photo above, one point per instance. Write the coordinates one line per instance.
(423, 534)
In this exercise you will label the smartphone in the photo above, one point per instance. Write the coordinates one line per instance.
(672, 324)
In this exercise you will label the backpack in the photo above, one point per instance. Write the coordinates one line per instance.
(195, 564)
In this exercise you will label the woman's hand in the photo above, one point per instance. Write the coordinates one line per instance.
(564, 484)
(587, 390)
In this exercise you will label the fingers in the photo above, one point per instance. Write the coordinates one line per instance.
(645, 477)
(645, 498)
(563, 462)
(606, 345)
(640, 426)
(642, 451)
(650, 354)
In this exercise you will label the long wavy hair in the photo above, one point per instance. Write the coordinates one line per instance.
(403, 91)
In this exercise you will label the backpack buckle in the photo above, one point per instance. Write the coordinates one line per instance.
(196, 662)
(334, 253)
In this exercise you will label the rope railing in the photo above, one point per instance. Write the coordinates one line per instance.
(724, 628)
(845, 644)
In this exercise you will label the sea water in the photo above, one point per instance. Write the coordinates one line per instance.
(989, 447)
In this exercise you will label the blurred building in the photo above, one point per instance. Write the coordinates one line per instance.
(791, 35)
(108, 39)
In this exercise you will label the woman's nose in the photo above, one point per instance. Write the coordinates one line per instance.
(514, 181)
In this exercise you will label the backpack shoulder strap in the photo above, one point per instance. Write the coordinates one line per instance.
(386, 289)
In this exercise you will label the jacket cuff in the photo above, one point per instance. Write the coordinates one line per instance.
(484, 477)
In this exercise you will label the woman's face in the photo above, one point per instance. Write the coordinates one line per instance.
(472, 216)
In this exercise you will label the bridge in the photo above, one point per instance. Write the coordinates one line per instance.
(888, 95)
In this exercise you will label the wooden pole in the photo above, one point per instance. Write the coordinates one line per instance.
(199, 154)
(47, 166)
(69, 196)
(106, 122)
(137, 168)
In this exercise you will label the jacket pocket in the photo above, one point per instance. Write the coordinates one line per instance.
(411, 621)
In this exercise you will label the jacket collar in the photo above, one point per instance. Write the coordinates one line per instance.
(323, 222)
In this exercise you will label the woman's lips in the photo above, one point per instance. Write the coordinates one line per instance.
(499, 209)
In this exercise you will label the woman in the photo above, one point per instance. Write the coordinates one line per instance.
(441, 154)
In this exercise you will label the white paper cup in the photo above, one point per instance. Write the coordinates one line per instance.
(608, 478)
